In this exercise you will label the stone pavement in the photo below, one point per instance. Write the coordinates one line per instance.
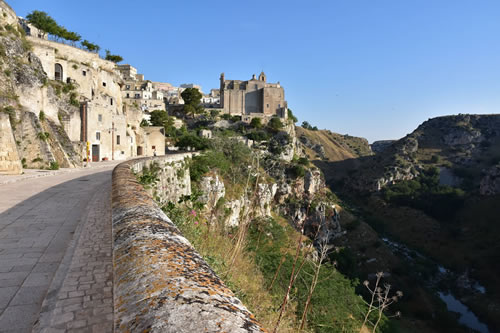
(36, 173)
(55, 245)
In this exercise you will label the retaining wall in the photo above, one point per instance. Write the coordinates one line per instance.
(161, 284)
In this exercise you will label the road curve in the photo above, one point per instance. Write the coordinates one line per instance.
(55, 250)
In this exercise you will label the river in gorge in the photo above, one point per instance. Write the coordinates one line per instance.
(453, 304)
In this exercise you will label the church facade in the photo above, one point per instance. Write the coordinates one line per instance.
(252, 98)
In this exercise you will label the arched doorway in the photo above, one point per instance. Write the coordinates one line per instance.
(58, 71)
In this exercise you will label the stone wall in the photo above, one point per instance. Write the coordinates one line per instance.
(161, 284)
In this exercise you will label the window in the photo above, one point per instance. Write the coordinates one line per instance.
(99, 118)
(111, 101)
(104, 84)
(58, 71)
(117, 139)
(267, 105)
(98, 135)
(154, 147)
(84, 73)
(127, 86)
(128, 95)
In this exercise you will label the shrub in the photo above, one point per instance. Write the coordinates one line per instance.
(73, 99)
(425, 193)
(297, 171)
(12, 114)
(113, 57)
(41, 116)
(256, 123)
(291, 116)
(149, 175)
(258, 135)
(54, 165)
(275, 123)
(43, 136)
(192, 141)
(235, 119)
(303, 161)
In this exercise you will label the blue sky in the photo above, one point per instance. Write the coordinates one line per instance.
(370, 68)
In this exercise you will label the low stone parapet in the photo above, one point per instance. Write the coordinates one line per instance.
(161, 284)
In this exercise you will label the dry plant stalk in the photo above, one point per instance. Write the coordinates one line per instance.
(380, 301)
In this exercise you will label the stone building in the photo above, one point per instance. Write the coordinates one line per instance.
(140, 92)
(253, 98)
(105, 122)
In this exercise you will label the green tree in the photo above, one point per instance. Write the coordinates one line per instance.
(159, 118)
(90, 46)
(306, 125)
(192, 98)
(113, 57)
(42, 21)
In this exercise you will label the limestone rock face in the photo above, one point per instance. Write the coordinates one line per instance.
(461, 136)
(313, 182)
(490, 183)
(381, 145)
(173, 180)
(327, 219)
(25, 91)
(265, 195)
(237, 209)
(212, 188)
(316, 147)
(393, 175)
(9, 159)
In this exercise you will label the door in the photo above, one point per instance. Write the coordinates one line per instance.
(139, 150)
(95, 153)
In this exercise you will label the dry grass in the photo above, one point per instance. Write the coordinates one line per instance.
(240, 273)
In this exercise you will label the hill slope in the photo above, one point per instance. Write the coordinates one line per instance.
(437, 190)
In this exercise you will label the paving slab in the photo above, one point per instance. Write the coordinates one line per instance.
(41, 219)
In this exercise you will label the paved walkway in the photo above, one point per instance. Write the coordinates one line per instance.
(55, 249)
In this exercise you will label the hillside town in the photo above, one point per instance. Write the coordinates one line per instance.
(112, 102)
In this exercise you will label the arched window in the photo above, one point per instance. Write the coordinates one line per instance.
(58, 72)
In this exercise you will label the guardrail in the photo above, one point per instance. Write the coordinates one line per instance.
(161, 284)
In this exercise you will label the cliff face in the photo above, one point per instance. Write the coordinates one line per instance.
(466, 147)
(33, 108)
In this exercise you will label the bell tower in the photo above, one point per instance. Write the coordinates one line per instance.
(262, 77)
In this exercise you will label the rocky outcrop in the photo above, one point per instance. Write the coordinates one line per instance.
(490, 183)
(172, 176)
(316, 147)
(212, 189)
(25, 92)
(381, 145)
(395, 174)
(313, 182)
(9, 159)
(265, 196)
(161, 284)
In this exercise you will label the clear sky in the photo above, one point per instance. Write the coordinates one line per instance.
(370, 68)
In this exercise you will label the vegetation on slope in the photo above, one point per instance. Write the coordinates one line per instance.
(430, 201)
